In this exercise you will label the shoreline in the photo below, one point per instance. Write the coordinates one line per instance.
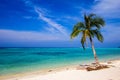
(40, 73)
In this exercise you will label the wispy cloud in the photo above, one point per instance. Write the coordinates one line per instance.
(51, 30)
(107, 8)
(29, 36)
(111, 33)
(28, 3)
(53, 26)
(110, 10)
(51, 22)
(44, 15)
(74, 18)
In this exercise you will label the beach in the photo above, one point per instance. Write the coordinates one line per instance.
(57, 64)
(71, 73)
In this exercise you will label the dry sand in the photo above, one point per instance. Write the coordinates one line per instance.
(112, 73)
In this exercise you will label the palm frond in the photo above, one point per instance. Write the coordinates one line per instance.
(89, 28)
(92, 33)
(91, 15)
(97, 22)
(97, 34)
(75, 33)
(86, 20)
(79, 25)
(100, 21)
(83, 40)
(83, 43)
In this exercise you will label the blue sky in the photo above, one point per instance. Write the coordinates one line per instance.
(48, 23)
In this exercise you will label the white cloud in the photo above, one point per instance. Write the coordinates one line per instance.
(107, 8)
(111, 33)
(29, 36)
(74, 18)
(50, 22)
(42, 12)
(28, 3)
(51, 29)
(110, 10)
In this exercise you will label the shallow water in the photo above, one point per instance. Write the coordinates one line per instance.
(16, 60)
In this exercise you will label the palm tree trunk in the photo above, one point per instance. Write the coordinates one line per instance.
(94, 52)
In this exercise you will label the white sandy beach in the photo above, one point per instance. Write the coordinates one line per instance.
(112, 73)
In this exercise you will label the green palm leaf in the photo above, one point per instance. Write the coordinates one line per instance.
(79, 25)
(97, 22)
(90, 28)
(99, 36)
(83, 39)
(75, 33)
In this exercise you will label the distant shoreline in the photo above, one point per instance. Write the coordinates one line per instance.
(59, 47)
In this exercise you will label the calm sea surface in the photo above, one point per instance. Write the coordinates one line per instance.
(16, 60)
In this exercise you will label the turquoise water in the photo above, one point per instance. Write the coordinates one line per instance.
(16, 60)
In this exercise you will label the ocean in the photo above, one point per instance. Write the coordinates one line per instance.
(17, 60)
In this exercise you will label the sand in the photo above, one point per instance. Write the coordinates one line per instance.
(112, 73)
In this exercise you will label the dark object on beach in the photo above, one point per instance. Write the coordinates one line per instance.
(82, 67)
(92, 67)
(50, 70)
(96, 67)
(109, 62)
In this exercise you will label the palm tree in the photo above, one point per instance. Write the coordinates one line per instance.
(90, 28)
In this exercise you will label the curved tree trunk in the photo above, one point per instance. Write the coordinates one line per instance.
(94, 52)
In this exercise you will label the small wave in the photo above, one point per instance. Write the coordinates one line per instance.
(50, 53)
